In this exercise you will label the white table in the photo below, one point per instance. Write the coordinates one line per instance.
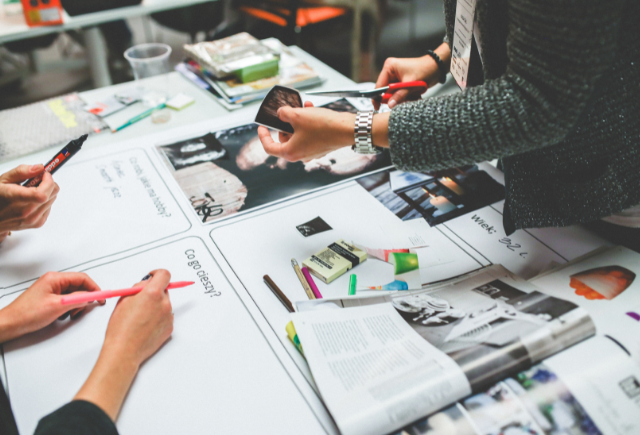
(205, 106)
(14, 27)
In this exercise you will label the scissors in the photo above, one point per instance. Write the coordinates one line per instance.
(381, 95)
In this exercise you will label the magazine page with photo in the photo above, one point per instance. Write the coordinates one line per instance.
(226, 172)
(435, 196)
(599, 396)
(607, 285)
(486, 327)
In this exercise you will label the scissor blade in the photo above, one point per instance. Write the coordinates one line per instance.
(345, 94)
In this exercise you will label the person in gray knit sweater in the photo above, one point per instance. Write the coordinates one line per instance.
(559, 104)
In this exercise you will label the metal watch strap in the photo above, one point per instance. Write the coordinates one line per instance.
(362, 133)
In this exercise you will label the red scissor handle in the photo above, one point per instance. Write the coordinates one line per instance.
(418, 87)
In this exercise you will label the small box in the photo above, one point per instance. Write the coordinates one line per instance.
(334, 260)
(42, 12)
(258, 71)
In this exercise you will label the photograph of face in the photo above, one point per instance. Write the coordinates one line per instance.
(277, 97)
(228, 171)
(605, 282)
(436, 196)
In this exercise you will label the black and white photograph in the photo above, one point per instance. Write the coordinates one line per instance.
(193, 151)
(435, 196)
(314, 226)
(228, 171)
(482, 328)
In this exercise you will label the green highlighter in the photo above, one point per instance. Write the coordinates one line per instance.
(139, 117)
(352, 284)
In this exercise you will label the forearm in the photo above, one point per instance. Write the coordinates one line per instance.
(444, 53)
(535, 103)
(345, 129)
(109, 382)
(10, 325)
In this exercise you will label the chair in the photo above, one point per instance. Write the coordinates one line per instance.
(311, 12)
(291, 15)
(203, 17)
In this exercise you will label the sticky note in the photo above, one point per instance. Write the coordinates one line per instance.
(180, 101)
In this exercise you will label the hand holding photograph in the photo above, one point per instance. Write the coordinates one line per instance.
(277, 97)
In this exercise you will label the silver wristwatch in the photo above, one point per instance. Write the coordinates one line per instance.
(362, 134)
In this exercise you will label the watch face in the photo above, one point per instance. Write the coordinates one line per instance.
(277, 97)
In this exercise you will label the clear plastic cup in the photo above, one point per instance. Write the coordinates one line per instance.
(148, 60)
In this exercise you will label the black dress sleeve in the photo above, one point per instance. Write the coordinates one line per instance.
(7, 422)
(79, 418)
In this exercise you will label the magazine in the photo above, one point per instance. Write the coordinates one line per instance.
(605, 283)
(590, 389)
(392, 359)
(293, 72)
(224, 56)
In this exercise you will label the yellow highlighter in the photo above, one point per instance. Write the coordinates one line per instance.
(293, 336)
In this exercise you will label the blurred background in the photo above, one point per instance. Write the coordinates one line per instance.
(45, 66)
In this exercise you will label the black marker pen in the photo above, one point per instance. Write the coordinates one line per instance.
(60, 159)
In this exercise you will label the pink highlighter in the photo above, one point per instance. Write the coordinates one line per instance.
(312, 284)
(106, 294)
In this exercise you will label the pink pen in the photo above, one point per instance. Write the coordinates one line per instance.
(106, 294)
(314, 287)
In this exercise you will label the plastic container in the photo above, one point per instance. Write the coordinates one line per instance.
(148, 60)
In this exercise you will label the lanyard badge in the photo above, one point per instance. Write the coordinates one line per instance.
(462, 40)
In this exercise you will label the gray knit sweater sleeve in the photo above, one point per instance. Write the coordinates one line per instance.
(557, 49)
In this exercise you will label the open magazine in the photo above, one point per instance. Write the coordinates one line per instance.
(393, 359)
(591, 389)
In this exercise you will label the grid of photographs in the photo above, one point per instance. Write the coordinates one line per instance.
(535, 402)
(435, 196)
(228, 171)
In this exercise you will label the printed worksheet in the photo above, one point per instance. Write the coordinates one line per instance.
(216, 368)
(106, 205)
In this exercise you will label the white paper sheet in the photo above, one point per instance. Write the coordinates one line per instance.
(106, 205)
(375, 373)
(264, 243)
(619, 316)
(520, 252)
(216, 374)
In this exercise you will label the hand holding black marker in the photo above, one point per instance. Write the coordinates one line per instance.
(60, 159)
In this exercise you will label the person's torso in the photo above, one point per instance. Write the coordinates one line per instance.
(594, 171)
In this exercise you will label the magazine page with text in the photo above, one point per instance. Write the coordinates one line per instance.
(456, 339)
